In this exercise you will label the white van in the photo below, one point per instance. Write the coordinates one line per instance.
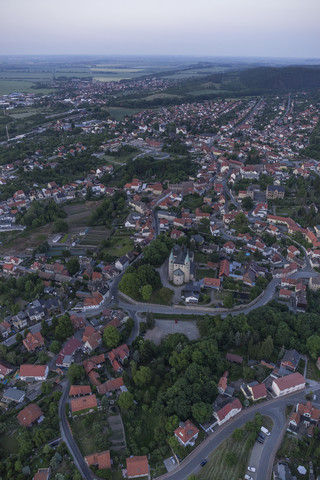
(265, 431)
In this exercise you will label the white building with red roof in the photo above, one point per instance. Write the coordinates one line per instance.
(186, 433)
(288, 384)
(228, 411)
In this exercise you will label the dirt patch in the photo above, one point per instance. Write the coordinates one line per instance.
(165, 327)
(26, 241)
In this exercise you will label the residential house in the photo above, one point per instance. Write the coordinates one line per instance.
(223, 383)
(186, 433)
(13, 394)
(288, 384)
(4, 370)
(291, 360)
(274, 192)
(33, 341)
(228, 411)
(102, 460)
(119, 354)
(30, 415)
(79, 390)
(30, 373)
(42, 474)
(137, 466)
(86, 402)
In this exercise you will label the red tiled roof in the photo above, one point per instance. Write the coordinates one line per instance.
(33, 341)
(289, 381)
(82, 403)
(259, 391)
(110, 385)
(32, 370)
(137, 466)
(186, 432)
(211, 282)
(80, 390)
(101, 459)
(223, 412)
(29, 414)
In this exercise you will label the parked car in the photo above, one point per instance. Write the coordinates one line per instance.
(259, 440)
(251, 469)
(248, 477)
(261, 436)
(203, 462)
(265, 431)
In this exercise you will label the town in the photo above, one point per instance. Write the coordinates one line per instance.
(159, 285)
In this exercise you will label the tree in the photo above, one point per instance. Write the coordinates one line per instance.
(142, 376)
(267, 347)
(247, 203)
(46, 388)
(313, 346)
(228, 301)
(73, 265)
(201, 411)
(19, 338)
(75, 373)
(237, 435)
(60, 226)
(111, 337)
(125, 400)
(146, 292)
(130, 285)
(55, 346)
(63, 328)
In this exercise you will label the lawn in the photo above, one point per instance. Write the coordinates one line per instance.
(119, 245)
(312, 371)
(200, 274)
(218, 466)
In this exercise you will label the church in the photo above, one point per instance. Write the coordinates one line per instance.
(181, 265)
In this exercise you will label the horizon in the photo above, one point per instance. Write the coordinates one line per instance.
(247, 29)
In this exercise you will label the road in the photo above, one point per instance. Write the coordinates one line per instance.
(67, 437)
(273, 408)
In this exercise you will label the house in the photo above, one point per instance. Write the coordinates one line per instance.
(111, 386)
(5, 329)
(29, 415)
(87, 402)
(229, 247)
(229, 410)
(213, 283)
(13, 395)
(224, 268)
(30, 373)
(93, 341)
(223, 383)
(119, 354)
(291, 360)
(65, 355)
(42, 474)
(4, 370)
(102, 460)
(254, 391)
(231, 357)
(304, 414)
(78, 390)
(137, 466)
(33, 341)
(288, 384)
(186, 433)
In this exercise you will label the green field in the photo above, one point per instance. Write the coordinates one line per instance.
(120, 113)
(8, 86)
(119, 245)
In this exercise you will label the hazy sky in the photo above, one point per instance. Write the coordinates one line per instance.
(281, 28)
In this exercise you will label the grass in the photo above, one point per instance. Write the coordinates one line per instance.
(157, 298)
(312, 371)
(217, 467)
(21, 86)
(200, 274)
(9, 443)
(119, 245)
(65, 238)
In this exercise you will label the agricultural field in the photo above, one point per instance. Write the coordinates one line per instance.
(119, 245)
(78, 214)
(119, 113)
(94, 237)
(8, 86)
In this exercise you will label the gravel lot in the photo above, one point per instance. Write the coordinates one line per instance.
(165, 327)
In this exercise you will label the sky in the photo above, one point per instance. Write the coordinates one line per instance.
(249, 28)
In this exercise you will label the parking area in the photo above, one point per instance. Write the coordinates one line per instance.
(170, 463)
(163, 328)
